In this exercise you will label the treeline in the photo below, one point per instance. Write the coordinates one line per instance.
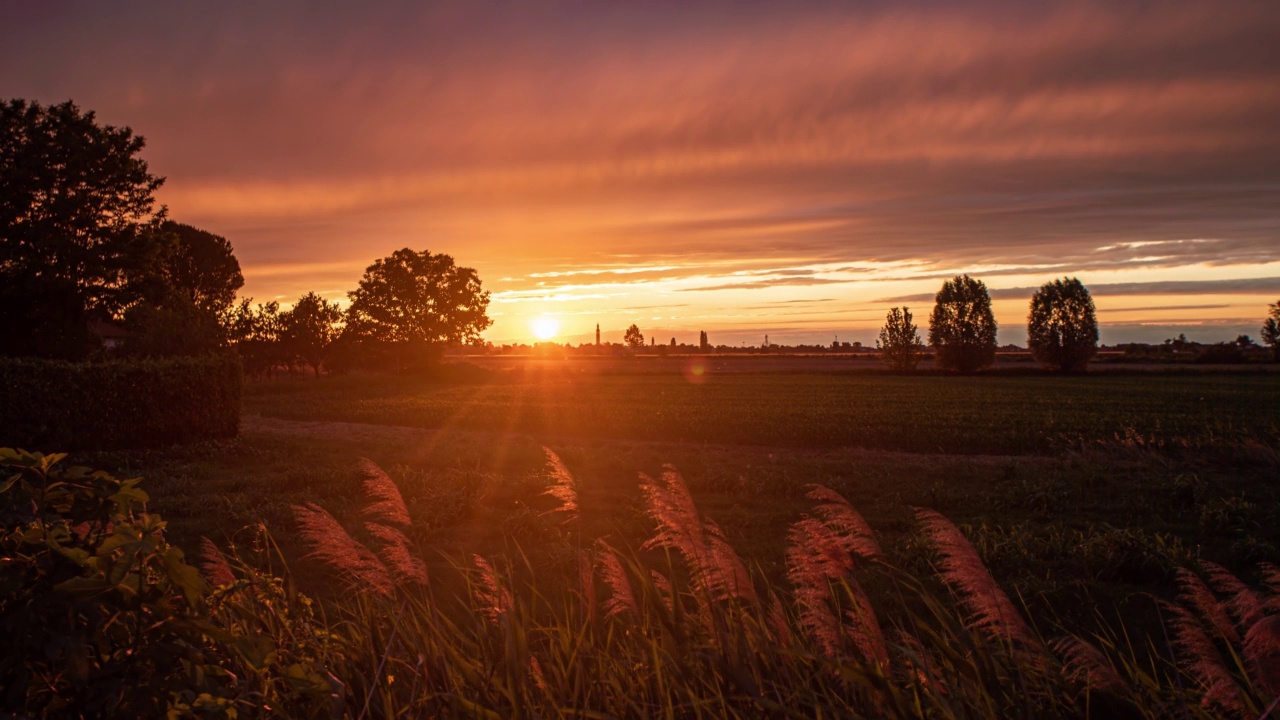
(90, 269)
(1062, 332)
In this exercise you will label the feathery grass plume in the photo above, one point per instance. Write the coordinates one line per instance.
(535, 673)
(563, 486)
(214, 564)
(494, 599)
(813, 558)
(853, 530)
(386, 505)
(622, 599)
(990, 608)
(1194, 593)
(730, 578)
(331, 544)
(1087, 665)
(1245, 604)
(396, 553)
(1203, 662)
(714, 566)
(818, 559)
(1271, 576)
(1262, 654)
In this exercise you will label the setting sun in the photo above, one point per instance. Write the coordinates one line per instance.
(545, 328)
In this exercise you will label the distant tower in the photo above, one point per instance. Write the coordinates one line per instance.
(766, 340)
(597, 333)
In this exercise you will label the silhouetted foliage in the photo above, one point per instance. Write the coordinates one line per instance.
(633, 337)
(309, 329)
(254, 333)
(75, 226)
(1062, 329)
(1221, 354)
(899, 341)
(962, 329)
(199, 266)
(119, 403)
(416, 303)
(103, 617)
(1271, 330)
(176, 328)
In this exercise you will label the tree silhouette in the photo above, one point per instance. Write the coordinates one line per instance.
(75, 220)
(1062, 329)
(633, 337)
(962, 329)
(199, 266)
(309, 329)
(1271, 330)
(899, 341)
(417, 303)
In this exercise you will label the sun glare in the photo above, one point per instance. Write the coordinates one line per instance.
(545, 328)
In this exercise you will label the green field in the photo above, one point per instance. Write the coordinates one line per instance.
(1086, 486)
(1084, 497)
(1019, 415)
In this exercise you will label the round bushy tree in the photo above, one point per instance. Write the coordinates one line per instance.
(1062, 329)
(962, 329)
(416, 303)
(899, 341)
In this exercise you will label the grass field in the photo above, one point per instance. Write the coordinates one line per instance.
(1087, 497)
(1082, 487)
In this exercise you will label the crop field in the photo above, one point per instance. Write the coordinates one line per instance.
(1020, 415)
(1095, 484)
(1085, 498)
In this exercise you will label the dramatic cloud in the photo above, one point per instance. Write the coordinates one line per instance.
(620, 152)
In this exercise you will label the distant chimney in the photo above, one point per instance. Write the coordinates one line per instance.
(597, 333)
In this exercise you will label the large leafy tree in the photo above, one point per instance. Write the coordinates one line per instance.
(418, 302)
(1062, 329)
(309, 328)
(76, 215)
(962, 328)
(1271, 329)
(198, 266)
(189, 289)
(899, 341)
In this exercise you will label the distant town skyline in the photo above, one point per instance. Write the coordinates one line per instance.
(740, 168)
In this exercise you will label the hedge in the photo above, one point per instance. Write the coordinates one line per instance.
(52, 405)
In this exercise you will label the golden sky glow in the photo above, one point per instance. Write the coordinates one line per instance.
(784, 168)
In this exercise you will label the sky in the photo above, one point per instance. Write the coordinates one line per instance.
(748, 168)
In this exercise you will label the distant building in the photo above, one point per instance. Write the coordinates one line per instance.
(597, 333)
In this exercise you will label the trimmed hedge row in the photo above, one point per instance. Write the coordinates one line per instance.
(52, 405)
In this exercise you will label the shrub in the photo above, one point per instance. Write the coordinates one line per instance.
(102, 617)
(118, 404)
(962, 327)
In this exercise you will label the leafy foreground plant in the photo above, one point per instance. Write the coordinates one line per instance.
(110, 620)
(101, 617)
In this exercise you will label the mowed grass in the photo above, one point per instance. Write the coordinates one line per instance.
(1077, 491)
(1032, 414)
